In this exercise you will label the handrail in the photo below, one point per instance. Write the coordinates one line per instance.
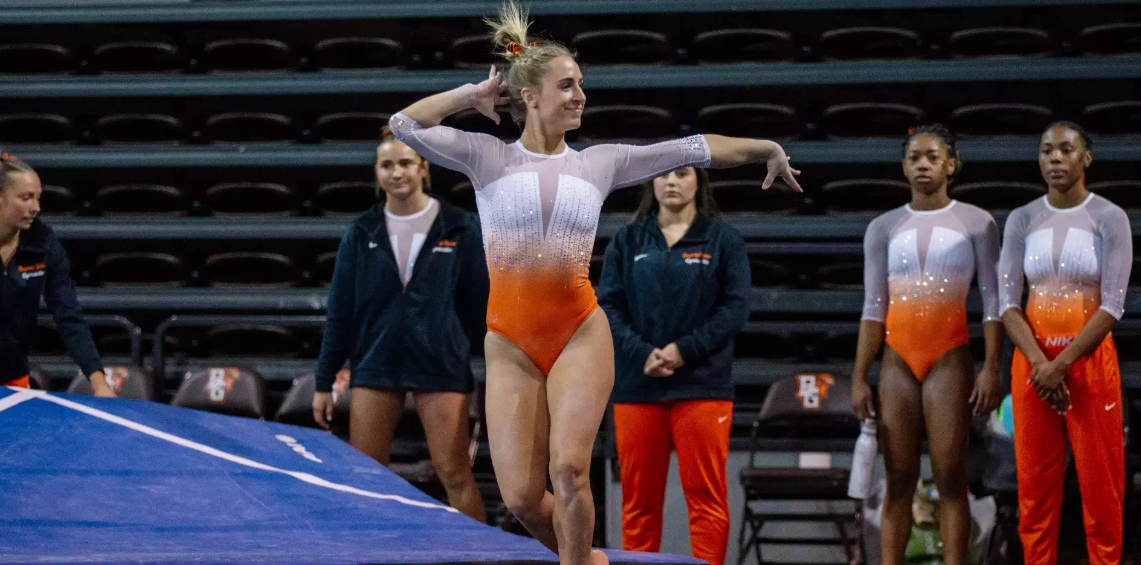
(1012, 150)
(85, 11)
(601, 78)
(158, 360)
(107, 320)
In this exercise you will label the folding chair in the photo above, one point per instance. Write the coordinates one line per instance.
(803, 406)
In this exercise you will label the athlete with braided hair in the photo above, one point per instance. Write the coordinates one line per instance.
(549, 351)
(919, 260)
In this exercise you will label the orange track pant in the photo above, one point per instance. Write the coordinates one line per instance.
(645, 435)
(1096, 436)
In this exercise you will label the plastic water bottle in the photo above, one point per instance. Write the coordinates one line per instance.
(863, 461)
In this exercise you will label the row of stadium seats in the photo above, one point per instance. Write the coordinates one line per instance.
(257, 269)
(597, 47)
(353, 197)
(273, 341)
(599, 122)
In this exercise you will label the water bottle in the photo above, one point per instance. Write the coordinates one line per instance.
(863, 461)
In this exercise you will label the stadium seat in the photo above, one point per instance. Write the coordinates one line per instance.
(140, 269)
(137, 57)
(472, 52)
(753, 120)
(240, 269)
(358, 53)
(38, 379)
(249, 127)
(352, 126)
(254, 340)
(1113, 118)
(769, 274)
(800, 407)
(58, 201)
(248, 54)
(1001, 42)
(841, 346)
(746, 45)
(475, 122)
(120, 344)
(870, 119)
(770, 346)
(297, 408)
(251, 198)
(748, 196)
(848, 275)
(35, 58)
(1000, 119)
(323, 269)
(626, 122)
(140, 200)
(624, 201)
(997, 195)
(463, 195)
(224, 390)
(1111, 39)
(1124, 193)
(622, 47)
(868, 42)
(139, 128)
(35, 128)
(127, 382)
(346, 198)
(864, 195)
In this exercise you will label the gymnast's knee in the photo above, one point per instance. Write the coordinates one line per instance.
(570, 478)
(525, 504)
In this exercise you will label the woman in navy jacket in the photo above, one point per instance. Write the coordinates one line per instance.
(675, 287)
(35, 265)
(409, 291)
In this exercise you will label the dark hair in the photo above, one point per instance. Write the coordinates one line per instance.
(1086, 139)
(387, 136)
(9, 165)
(944, 135)
(706, 204)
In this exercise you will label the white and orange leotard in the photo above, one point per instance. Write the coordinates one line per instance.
(918, 267)
(539, 215)
(1077, 261)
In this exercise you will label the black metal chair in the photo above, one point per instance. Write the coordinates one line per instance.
(126, 381)
(801, 407)
(224, 390)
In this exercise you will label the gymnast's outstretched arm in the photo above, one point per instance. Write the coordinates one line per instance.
(726, 152)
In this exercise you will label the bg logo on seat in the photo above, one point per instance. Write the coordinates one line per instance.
(220, 383)
(813, 389)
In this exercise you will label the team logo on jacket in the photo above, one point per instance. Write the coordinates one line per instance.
(444, 246)
(696, 258)
(813, 389)
(32, 271)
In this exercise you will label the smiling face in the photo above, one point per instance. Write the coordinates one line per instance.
(19, 200)
(556, 103)
(927, 164)
(400, 171)
(1063, 158)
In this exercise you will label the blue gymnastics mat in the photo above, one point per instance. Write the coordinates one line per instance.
(97, 481)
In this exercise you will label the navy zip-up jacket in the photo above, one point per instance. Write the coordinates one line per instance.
(695, 294)
(40, 268)
(416, 337)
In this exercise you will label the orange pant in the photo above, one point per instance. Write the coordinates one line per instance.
(645, 434)
(1096, 436)
(21, 382)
